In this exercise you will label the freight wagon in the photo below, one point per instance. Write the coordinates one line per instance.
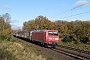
(25, 34)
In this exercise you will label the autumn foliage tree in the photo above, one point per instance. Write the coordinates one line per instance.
(39, 23)
(5, 27)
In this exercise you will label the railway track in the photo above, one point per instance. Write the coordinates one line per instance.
(72, 52)
(46, 51)
(77, 54)
(82, 51)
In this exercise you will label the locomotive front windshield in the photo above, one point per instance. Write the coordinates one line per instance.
(53, 33)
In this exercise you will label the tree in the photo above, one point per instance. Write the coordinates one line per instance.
(6, 17)
(39, 23)
(5, 23)
(1, 25)
(83, 32)
(43, 23)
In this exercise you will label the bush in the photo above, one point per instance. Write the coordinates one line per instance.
(84, 40)
(68, 39)
(8, 38)
(3, 37)
(6, 55)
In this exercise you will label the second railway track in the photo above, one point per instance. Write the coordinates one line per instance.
(76, 53)
(82, 51)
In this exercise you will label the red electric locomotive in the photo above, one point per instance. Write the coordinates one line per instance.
(46, 37)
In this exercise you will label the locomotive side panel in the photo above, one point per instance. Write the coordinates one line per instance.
(39, 36)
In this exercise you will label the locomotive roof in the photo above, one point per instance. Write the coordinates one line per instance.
(42, 30)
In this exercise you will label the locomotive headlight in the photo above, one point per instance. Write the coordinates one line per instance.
(56, 38)
(50, 38)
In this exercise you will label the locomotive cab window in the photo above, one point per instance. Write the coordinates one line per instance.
(53, 33)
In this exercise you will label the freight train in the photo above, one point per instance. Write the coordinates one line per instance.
(44, 37)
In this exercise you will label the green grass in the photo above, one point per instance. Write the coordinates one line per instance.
(12, 49)
(50, 58)
(6, 55)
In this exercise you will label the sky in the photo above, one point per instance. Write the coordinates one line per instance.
(25, 10)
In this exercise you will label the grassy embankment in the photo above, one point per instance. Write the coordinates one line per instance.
(81, 46)
(12, 49)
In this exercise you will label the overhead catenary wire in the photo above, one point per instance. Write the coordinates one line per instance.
(70, 9)
(76, 14)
